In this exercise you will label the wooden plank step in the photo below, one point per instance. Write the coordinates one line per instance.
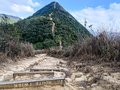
(45, 69)
(32, 83)
(32, 73)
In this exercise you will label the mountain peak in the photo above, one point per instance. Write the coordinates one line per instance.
(53, 6)
(50, 26)
(54, 2)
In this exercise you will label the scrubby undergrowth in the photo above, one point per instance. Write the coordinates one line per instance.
(10, 44)
(100, 47)
(15, 50)
(97, 58)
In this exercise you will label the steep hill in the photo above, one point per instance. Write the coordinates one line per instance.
(10, 19)
(52, 7)
(51, 26)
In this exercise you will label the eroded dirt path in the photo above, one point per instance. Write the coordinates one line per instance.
(94, 77)
(7, 69)
(39, 61)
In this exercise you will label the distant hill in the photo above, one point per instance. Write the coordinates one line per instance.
(50, 26)
(10, 19)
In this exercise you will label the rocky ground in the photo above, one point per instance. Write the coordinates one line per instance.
(95, 76)
(80, 76)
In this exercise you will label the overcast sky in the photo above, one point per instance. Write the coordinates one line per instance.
(99, 13)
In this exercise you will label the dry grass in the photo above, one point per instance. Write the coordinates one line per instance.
(3, 57)
(16, 50)
(19, 50)
(101, 46)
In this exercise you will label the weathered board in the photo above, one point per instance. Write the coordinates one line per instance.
(32, 73)
(50, 69)
(43, 69)
(32, 83)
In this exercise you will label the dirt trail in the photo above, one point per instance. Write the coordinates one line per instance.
(88, 78)
(53, 23)
(55, 5)
(53, 28)
(39, 61)
(7, 69)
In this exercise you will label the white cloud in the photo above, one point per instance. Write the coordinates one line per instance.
(100, 16)
(21, 8)
(34, 4)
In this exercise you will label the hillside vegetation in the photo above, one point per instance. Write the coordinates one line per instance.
(100, 48)
(10, 44)
(51, 25)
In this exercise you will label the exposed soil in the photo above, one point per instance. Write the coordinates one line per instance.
(87, 76)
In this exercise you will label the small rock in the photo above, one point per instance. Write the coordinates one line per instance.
(105, 74)
(68, 79)
(76, 75)
(81, 88)
(82, 78)
(87, 70)
(94, 85)
(94, 79)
